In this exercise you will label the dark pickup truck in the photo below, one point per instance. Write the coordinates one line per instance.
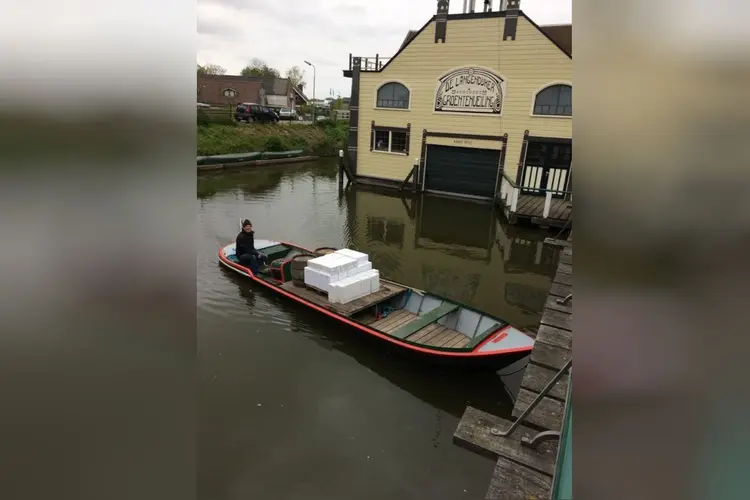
(250, 112)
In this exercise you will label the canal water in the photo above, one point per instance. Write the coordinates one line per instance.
(294, 407)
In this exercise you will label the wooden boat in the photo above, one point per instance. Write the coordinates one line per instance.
(413, 320)
(273, 155)
(229, 158)
(242, 157)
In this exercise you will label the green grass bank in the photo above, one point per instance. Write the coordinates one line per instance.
(324, 138)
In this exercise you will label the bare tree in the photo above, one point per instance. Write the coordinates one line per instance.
(296, 76)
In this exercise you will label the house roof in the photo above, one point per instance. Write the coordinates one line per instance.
(409, 37)
(273, 86)
(562, 34)
(301, 94)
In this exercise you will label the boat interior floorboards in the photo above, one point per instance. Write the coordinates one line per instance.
(436, 335)
(394, 320)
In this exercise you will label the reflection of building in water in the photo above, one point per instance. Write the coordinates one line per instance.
(523, 253)
(460, 286)
(386, 230)
(456, 249)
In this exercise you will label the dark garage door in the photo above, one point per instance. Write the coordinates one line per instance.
(465, 171)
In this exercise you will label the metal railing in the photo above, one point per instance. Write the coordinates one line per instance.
(369, 63)
(542, 436)
(510, 191)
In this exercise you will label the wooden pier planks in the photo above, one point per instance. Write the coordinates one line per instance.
(473, 433)
(521, 472)
(387, 290)
(513, 481)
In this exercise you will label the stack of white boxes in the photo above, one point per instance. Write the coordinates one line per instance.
(345, 275)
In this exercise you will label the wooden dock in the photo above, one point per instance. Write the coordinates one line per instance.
(523, 472)
(546, 208)
(532, 208)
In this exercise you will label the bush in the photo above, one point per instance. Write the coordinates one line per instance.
(326, 123)
(323, 140)
(203, 119)
(274, 144)
(222, 119)
(206, 118)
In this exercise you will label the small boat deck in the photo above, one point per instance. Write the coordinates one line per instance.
(387, 291)
(434, 335)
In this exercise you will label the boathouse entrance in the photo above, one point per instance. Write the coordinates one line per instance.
(467, 172)
(546, 166)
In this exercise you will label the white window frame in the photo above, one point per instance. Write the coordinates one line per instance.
(390, 142)
(377, 90)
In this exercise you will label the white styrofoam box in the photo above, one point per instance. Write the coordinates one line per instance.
(335, 265)
(360, 257)
(315, 278)
(353, 287)
(324, 262)
(367, 266)
(374, 281)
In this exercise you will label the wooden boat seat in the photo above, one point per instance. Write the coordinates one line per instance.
(423, 321)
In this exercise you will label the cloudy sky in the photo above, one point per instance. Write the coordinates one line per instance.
(284, 33)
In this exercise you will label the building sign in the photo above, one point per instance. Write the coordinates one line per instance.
(470, 90)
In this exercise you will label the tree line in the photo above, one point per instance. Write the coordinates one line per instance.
(257, 67)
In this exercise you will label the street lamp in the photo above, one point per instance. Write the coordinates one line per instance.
(313, 67)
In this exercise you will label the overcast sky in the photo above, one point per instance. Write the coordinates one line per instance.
(284, 33)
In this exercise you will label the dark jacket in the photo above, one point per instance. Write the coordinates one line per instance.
(246, 244)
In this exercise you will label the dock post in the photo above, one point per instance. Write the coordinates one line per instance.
(415, 169)
(341, 169)
(547, 204)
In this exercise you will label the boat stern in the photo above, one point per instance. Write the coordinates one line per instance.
(228, 251)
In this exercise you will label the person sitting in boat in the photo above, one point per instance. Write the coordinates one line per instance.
(245, 248)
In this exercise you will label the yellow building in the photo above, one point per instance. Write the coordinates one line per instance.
(469, 99)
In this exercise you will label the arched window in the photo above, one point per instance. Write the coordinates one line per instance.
(393, 95)
(555, 100)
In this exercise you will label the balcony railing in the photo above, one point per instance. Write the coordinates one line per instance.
(510, 191)
(369, 63)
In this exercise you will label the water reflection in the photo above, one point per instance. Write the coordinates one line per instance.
(437, 387)
(455, 248)
(261, 180)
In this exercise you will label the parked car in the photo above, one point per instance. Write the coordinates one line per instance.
(288, 114)
(250, 112)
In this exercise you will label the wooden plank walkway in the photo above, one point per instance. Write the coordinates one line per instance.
(522, 472)
(387, 291)
(532, 207)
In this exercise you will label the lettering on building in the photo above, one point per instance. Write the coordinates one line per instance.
(470, 90)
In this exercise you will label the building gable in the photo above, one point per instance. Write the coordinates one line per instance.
(559, 35)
